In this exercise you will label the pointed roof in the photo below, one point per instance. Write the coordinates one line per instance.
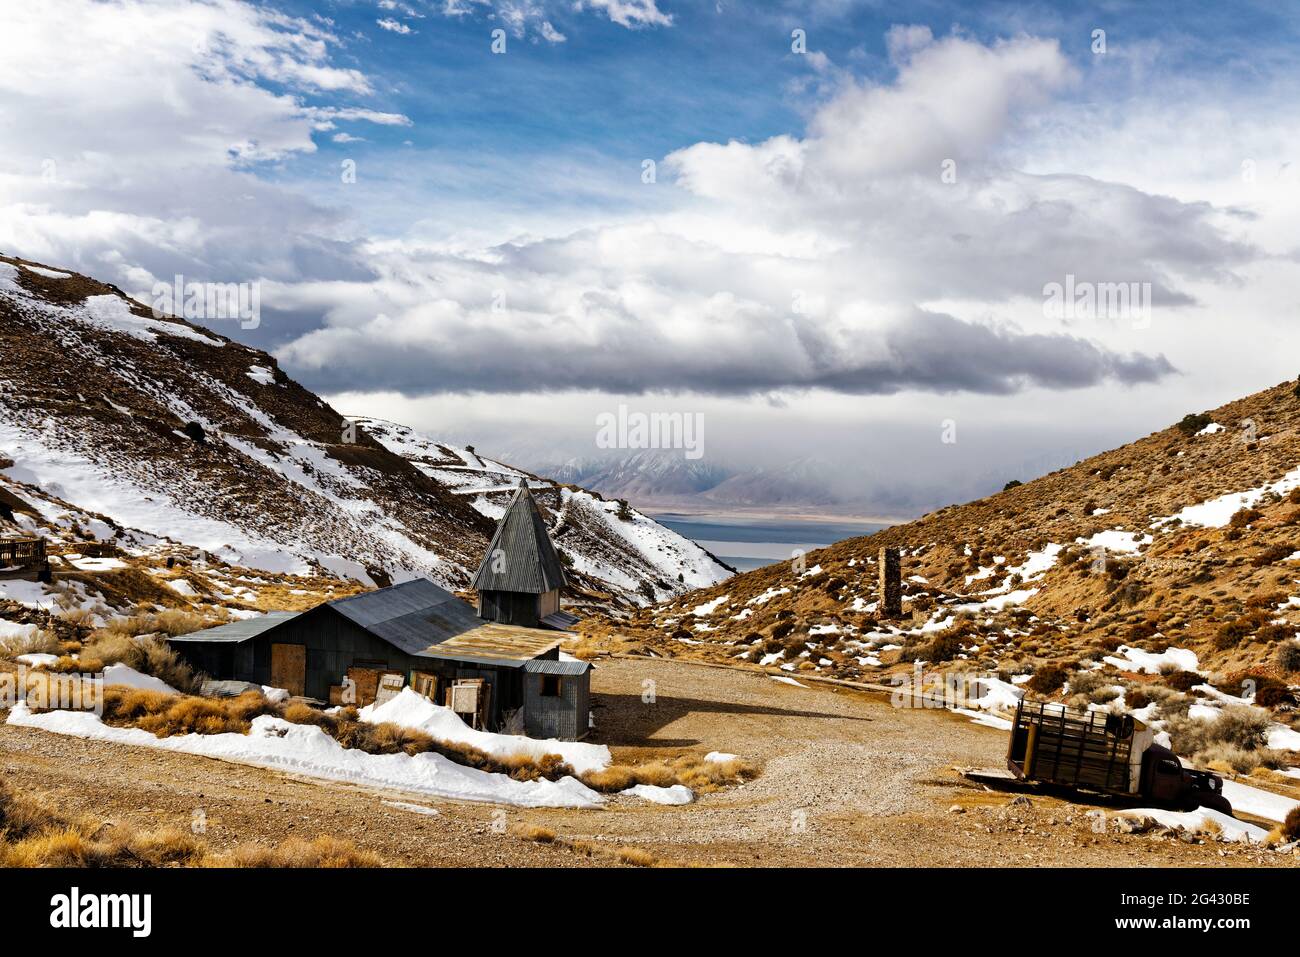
(521, 557)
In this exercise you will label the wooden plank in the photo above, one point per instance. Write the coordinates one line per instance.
(289, 668)
(493, 642)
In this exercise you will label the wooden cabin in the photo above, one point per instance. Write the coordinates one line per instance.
(493, 665)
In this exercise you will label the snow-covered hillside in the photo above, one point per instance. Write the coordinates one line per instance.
(169, 434)
(623, 549)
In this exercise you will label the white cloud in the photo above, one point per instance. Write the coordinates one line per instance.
(629, 13)
(393, 26)
(138, 160)
(841, 261)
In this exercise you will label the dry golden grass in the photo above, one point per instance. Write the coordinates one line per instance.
(147, 655)
(170, 622)
(280, 596)
(35, 834)
(1291, 827)
(165, 715)
(79, 617)
(613, 854)
(1211, 829)
(700, 776)
(533, 832)
(322, 852)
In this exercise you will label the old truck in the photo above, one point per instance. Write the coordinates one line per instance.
(1111, 753)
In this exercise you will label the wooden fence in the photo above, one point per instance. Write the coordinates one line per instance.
(21, 552)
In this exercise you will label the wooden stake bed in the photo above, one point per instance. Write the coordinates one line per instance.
(1059, 745)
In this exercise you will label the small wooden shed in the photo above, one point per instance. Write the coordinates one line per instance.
(557, 699)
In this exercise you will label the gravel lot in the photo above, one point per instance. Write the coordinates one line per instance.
(847, 780)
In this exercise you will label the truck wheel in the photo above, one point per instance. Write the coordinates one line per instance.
(1217, 802)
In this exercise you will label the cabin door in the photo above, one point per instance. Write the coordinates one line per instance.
(289, 668)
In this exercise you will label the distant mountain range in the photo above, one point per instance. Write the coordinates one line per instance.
(665, 479)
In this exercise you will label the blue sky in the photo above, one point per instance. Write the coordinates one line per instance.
(803, 269)
(609, 96)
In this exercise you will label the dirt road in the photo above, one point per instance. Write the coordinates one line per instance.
(847, 780)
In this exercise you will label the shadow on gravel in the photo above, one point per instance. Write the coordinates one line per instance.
(626, 720)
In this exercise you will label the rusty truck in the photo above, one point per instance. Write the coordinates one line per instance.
(1111, 753)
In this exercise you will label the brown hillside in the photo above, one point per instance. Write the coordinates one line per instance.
(1223, 592)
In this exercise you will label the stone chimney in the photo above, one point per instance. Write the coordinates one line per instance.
(891, 585)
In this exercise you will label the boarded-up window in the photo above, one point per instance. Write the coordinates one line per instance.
(425, 684)
(390, 685)
(464, 699)
(365, 681)
(289, 668)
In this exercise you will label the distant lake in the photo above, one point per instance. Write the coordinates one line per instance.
(749, 545)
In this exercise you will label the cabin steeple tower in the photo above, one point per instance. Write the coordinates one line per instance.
(521, 575)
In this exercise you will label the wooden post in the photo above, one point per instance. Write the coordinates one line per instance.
(890, 604)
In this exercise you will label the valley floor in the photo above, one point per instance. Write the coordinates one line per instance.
(847, 780)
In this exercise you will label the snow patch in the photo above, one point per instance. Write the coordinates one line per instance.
(677, 794)
(412, 710)
(306, 749)
(127, 677)
(1148, 662)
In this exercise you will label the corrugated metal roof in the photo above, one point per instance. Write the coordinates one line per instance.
(412, 616)
(560, 620)
(418, 617)
(239, 630)
(544, 666)
(521, 557)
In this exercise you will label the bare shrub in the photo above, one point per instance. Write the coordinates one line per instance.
(1183, 681)
(1241, 727)
(943, 646)
(1048, 679)
(146, 654)
(1291, 827)
(1087, 682)
(36, 642)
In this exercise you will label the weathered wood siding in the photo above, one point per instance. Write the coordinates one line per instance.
(334, 644)
(563, 717)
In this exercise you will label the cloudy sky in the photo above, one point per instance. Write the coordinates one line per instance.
(828, 227)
